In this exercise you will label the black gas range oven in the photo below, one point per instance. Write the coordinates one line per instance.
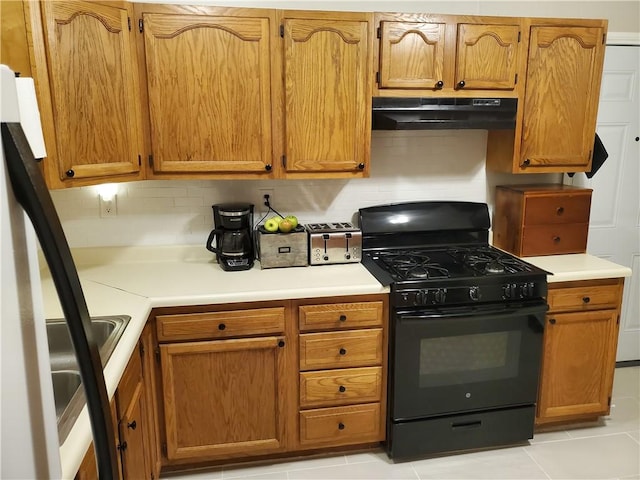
(465, 330)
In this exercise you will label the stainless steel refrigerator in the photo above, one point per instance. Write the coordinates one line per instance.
(29, 442)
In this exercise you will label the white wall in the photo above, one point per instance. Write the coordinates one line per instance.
(405, 166)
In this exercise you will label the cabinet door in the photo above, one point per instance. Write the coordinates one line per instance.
(561, 99)
(578, 364)
(487, 56)
(134, 447)
(411, 55)
(223, 397)
(209, 85)
(94, 90)
(327, 95)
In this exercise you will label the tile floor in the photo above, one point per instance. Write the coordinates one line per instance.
(607, 449)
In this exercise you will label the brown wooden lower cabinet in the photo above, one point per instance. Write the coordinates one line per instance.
(579, 352)
(241, 380)
(133, 425)
(223, 397)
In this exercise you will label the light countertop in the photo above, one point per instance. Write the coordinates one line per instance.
(582, 266)
(133, 280)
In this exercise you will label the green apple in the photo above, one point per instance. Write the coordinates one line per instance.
(285, 226)
(277, 218)
(271, 225)
(293, 219)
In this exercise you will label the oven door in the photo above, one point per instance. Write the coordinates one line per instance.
(464, 359)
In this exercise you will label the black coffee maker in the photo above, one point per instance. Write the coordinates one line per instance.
(233, 236)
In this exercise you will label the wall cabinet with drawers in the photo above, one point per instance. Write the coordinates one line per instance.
(579, 350)
(265, 378)
(531, 220)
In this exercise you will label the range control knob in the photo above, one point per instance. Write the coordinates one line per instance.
(474, 293)
(420, 297)
(510, 290)
(439, 295)
(526, 290)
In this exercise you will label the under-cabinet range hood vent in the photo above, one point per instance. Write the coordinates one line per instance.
(444, 113)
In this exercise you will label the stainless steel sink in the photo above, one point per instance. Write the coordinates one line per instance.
(68, 394)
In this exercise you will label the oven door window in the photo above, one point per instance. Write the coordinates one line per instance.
(455, 362)
(473, 358)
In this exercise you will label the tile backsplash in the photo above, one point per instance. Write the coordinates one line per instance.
(405, 166)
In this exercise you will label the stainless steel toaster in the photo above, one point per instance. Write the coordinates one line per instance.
(334, 243)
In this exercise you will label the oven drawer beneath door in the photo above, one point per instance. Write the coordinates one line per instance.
(460, 432)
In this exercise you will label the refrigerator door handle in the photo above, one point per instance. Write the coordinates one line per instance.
(31, 192)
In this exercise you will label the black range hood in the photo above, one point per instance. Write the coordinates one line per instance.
(444, 113)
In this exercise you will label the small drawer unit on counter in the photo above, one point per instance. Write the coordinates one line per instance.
(342, 361)
(531, 220)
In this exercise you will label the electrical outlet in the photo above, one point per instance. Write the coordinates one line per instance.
(262, 208)
(108, 208)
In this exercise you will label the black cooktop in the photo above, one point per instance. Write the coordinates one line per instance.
(447, 262)
(438, 253)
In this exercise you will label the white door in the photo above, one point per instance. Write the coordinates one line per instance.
(614, 231)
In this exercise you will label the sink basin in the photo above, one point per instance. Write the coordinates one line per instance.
(65, 385)
(67, 392)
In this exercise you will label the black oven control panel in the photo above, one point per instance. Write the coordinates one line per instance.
(463, 294)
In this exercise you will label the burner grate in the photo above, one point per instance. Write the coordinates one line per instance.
(486, 260)
(411, 265)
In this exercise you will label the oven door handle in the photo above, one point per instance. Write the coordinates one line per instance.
(476, 312)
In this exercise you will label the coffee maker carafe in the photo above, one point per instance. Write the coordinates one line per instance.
(233, 236)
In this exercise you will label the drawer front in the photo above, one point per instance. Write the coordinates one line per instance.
(340, 387)
(557, 209)
(554, 239)
(341, 425)
(357, 348)
(340, 315)
(212, 325)
(583, 298)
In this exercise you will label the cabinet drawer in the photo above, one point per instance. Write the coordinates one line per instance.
(211, 325)
(557, 209)
(341, 425)
(554, 239)
(340, 387)
(340, 315)
(356, 348)
(583, 298)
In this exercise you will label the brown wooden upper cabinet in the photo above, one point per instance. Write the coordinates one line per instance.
(86, 76)
(447, 55)
(209, 78)
(556, 122)
(327, 98)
